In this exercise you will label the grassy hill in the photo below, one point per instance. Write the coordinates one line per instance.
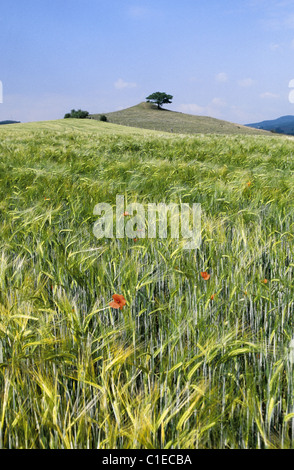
(190, 361)
(147, 116)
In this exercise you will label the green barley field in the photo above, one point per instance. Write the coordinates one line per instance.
(188, 363)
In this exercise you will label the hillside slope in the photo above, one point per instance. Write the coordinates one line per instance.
(147, 116)
(69, 126)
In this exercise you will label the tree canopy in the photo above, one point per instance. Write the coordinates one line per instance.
(159, 98)
(79, 114)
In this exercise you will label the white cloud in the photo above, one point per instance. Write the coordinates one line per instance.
(121, 84)
(275, 47)
(191, 108)
(221, 77)
(246, 82)
(238, 114)
(218, 102)
(212, 109)
(268, 95)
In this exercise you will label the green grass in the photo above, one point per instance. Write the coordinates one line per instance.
(173, 369)
(147, 116)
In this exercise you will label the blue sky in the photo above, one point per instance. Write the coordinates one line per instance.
(222, 58)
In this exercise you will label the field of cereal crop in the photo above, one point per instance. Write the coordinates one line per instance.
(190, 361)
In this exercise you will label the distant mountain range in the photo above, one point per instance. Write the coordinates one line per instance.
(282, 125)
(9, 122)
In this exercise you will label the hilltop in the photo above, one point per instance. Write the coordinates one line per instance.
(148, 116)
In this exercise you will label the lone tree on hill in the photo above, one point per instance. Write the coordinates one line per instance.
(159, 98)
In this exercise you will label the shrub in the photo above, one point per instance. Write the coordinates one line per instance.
(79, 114)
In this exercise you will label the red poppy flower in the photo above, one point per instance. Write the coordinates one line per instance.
(126, 214)
(212, 297)
(118, 301)
(249, 183)
(265, 281)
(135, 240)
(205, 275)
